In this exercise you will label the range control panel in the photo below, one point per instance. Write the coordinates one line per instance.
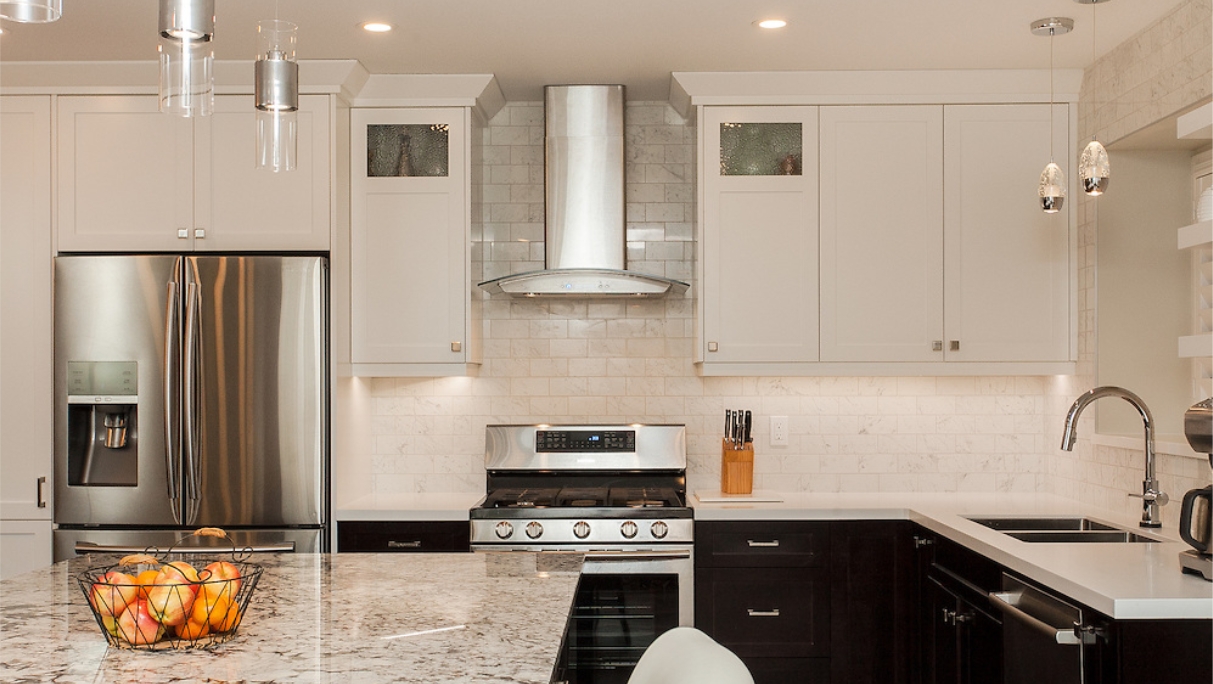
(557, 441)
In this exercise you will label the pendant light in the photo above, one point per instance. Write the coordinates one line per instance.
(31, 11)
(187, 57)
(1052, 188)
(1093, 166)
(276, 75)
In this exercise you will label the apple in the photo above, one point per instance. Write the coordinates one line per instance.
(169, 599)
(220, 577)
(137, 626)
(112, 592)
(182, 571)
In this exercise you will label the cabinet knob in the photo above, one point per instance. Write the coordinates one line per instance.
(920, 542)
(200, 233)
(183, 234)
(456, 346)
(937, 345)
(955, 345)
(712, 346)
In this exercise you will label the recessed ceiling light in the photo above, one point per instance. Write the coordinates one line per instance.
(771, 23)
(377, 27)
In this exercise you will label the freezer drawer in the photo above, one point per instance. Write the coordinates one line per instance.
(70, 543)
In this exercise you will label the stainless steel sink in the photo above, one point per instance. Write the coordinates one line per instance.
(1093, 536)
(1031, 524)
(1061, 530)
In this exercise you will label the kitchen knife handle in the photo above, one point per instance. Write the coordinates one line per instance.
(749, 422)
(190, 404)
(172, 416)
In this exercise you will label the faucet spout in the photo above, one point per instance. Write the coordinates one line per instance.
(1152, 498)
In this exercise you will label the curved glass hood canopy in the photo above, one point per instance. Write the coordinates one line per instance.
(585, 240)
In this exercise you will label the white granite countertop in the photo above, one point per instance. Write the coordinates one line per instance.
(1124, 581)
(408, 507)
(348, 618)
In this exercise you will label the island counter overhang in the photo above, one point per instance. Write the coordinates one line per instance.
(486, 617)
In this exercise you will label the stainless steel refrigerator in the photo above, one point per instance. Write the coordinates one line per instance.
(190, 391)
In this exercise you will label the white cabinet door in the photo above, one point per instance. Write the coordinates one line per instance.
(125, 175)
(241, 207)
(759, 242)
(134, 179)
(1007, 263)
(881, 233)
(24, 545)
(409, 237)
(26, 338)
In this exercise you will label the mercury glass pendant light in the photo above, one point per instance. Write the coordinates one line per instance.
(276, 75)
(31, 11)
(187, 57)
(1052, 187)
(1093, 166)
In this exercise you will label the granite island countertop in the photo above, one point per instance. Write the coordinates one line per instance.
(348, 618)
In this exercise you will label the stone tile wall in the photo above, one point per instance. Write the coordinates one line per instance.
(1165, 68)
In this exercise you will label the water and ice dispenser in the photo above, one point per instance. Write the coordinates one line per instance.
(102, 423)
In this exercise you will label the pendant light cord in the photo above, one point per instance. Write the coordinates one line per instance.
(1052, 31)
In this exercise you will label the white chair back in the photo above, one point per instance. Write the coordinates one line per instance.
(685, 655)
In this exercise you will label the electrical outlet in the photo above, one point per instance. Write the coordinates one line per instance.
(779, 430)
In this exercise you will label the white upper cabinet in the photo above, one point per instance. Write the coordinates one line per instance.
(1008, 274)
(26, 396)
(758, 246)
(882, 246)
(410, 242)
(133, 179)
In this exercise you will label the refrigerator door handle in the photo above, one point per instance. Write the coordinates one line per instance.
(191, 465)
(172, 418)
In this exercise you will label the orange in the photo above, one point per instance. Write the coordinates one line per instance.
(192, 630)
(145, 580)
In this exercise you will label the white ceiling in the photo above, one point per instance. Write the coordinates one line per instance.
(530, 43)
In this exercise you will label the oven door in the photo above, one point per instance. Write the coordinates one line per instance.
(625, 599)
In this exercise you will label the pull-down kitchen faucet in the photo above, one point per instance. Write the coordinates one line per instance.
(1151, 497)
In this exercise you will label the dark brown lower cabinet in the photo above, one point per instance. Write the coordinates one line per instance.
(812, 602)
(403, 536)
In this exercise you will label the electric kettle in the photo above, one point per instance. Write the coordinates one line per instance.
(1196, 515)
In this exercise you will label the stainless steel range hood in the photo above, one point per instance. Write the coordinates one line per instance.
(585, 240)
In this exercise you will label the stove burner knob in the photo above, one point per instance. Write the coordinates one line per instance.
(504, 530)
(581, 529)
(629, 529)
(534, 529)
(659, 530)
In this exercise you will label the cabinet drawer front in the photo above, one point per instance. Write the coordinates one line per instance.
(789, 670)
(766, 612)
(762, 544)
(403, 537)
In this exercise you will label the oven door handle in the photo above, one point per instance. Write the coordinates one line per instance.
(636, 555)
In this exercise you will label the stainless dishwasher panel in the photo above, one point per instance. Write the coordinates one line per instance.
(1043, 636)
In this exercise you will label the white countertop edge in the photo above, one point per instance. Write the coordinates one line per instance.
(445, 506)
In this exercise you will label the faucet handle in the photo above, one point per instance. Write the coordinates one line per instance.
(1160, 498)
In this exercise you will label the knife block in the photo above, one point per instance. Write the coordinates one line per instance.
(736, 468)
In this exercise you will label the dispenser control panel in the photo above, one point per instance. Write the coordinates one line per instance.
(96, 382)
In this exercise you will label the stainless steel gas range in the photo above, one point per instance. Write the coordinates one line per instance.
(615, 494)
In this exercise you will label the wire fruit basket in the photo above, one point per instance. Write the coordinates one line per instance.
(161, 601)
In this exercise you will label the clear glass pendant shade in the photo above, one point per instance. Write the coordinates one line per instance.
(31, 11)
(276, 78)
(187, 57)
(1052, 189)
(187, 82)
(1094, 169)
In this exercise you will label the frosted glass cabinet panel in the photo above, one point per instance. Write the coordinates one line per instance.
(761, 148)
(407, 150)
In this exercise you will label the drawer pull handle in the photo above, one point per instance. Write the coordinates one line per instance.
(769, 544)
(404, 544)
(774, 612)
